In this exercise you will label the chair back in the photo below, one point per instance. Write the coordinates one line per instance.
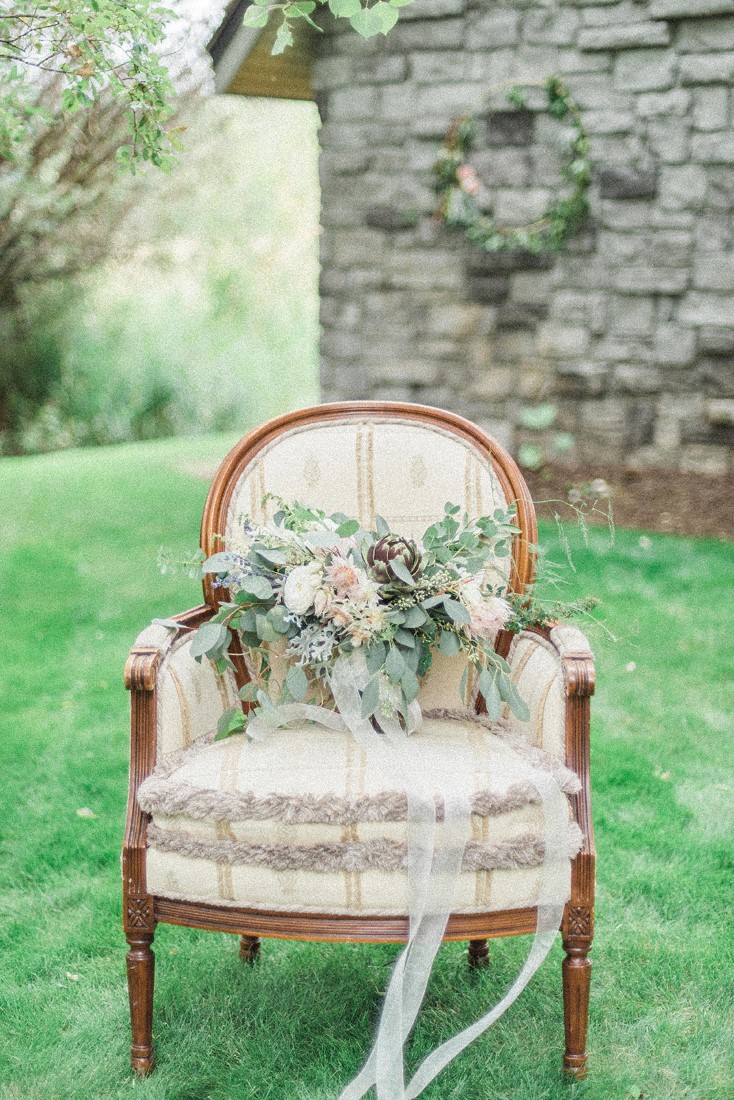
(401, 461)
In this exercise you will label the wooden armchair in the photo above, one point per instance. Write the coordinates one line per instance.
(203, 815)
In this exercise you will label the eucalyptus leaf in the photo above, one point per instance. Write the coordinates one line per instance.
(415, 616)
(345, 530)
(371, 697)
(259, 588)
(404, 637)
(265, 630)
(283, 39)
(248, 693)
(456, 610)
(297, 682)
(209, 638)
(344, 8)
(394, 664)
(375, 655)
(510, 694)
(449, 644)
(269, 553)
(381, 524)
(232, 721)
(410, 685)
(401, 571)
(255, 16)
(490, 691)
(225, 561)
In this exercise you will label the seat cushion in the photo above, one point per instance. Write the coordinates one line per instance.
(305, 821)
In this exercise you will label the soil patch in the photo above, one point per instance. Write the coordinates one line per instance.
(669, 501)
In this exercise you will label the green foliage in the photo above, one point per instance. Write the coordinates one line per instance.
(92, 47)
(193, 326)
(367, 20)
(457, 184)
(538, 418)
(85, 525)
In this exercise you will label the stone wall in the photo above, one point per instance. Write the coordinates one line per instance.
(629, 330)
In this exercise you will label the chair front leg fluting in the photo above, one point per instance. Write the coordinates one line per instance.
(576, 987)
(140, 981)
(478, 954)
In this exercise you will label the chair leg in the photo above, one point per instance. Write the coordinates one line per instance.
(478, 954)
(140, 978)
(249, 949)
(576, 983)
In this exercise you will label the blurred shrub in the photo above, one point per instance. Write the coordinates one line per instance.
(206, 317)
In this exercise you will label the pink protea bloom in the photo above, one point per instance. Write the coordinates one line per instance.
(489, 614)
(342, 576)
(468, 179)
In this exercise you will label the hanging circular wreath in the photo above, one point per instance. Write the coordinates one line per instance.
(457, 184)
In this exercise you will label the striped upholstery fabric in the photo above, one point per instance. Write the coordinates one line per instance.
(538, 676)
(304, 821)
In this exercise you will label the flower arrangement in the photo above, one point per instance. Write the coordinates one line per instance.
(458, 186)
(310, 588)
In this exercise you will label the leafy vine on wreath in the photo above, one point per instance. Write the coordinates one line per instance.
(457, 183)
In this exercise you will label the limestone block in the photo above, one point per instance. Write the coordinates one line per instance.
(644, 70)
(433, 9)
(675, 345)
(707, 68)
(609, 122)
(332, 72)
(622, 12)
(448, 99)
(511, 345)
(669, 140)
(623, 37)
(710, 108)
(561, 341)
(632, 315)
(423, 269)
(391, 217)
(501, 430)
(716, 341)
(721, 188)
(688, 9)
(701, 308)
(397, 101)
(623, 182)
(594, 92)
(509, 127)
(426, 34)
(700, 35)
(530, 289)
(454, 319)
(521, 314)
(713, 148)
(516, 259)
(682, 187)
(636, 378)
(434, 67)
(643, 279)
(670, 248)
(494, 383)
(581, 308)
(392, 366)
(500, 27)
(607, 417)
(512, 207)
(584, 379)
(676, 102)
(574, 61)
(490, 289)
(715, 377)
(557, 27)
(720, 411)
(714, 271)
(353, 103)
(508, 168)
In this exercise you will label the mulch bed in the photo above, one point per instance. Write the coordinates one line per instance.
(669, 501)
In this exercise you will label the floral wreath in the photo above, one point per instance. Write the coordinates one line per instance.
(457, 183)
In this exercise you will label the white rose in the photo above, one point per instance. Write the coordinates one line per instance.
(300, 588)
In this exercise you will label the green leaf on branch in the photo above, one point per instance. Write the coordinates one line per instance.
(456, 610)
(510, 694)
(375, 655)
(344, 9)
(345, 530)
(255, 16)
(283, 39)
(394, 664)
(401, 571)
(248, 693)
(415, 616)
(232, 721)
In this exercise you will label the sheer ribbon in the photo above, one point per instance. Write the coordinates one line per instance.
(436, 842)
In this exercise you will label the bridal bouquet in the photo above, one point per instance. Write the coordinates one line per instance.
(307, 589)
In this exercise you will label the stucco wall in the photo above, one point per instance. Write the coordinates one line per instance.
(630, 330)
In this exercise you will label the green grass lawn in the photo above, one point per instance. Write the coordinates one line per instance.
(81, 532)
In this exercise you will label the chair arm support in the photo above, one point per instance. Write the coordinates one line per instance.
(577, 660)
(152, 644)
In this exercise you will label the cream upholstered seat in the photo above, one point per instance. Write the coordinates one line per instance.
(298, 835)
(304, 821)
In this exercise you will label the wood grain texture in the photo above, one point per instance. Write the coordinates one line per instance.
(140, 978)
(478, 954)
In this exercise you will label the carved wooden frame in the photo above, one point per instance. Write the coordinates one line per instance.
(141, 911)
